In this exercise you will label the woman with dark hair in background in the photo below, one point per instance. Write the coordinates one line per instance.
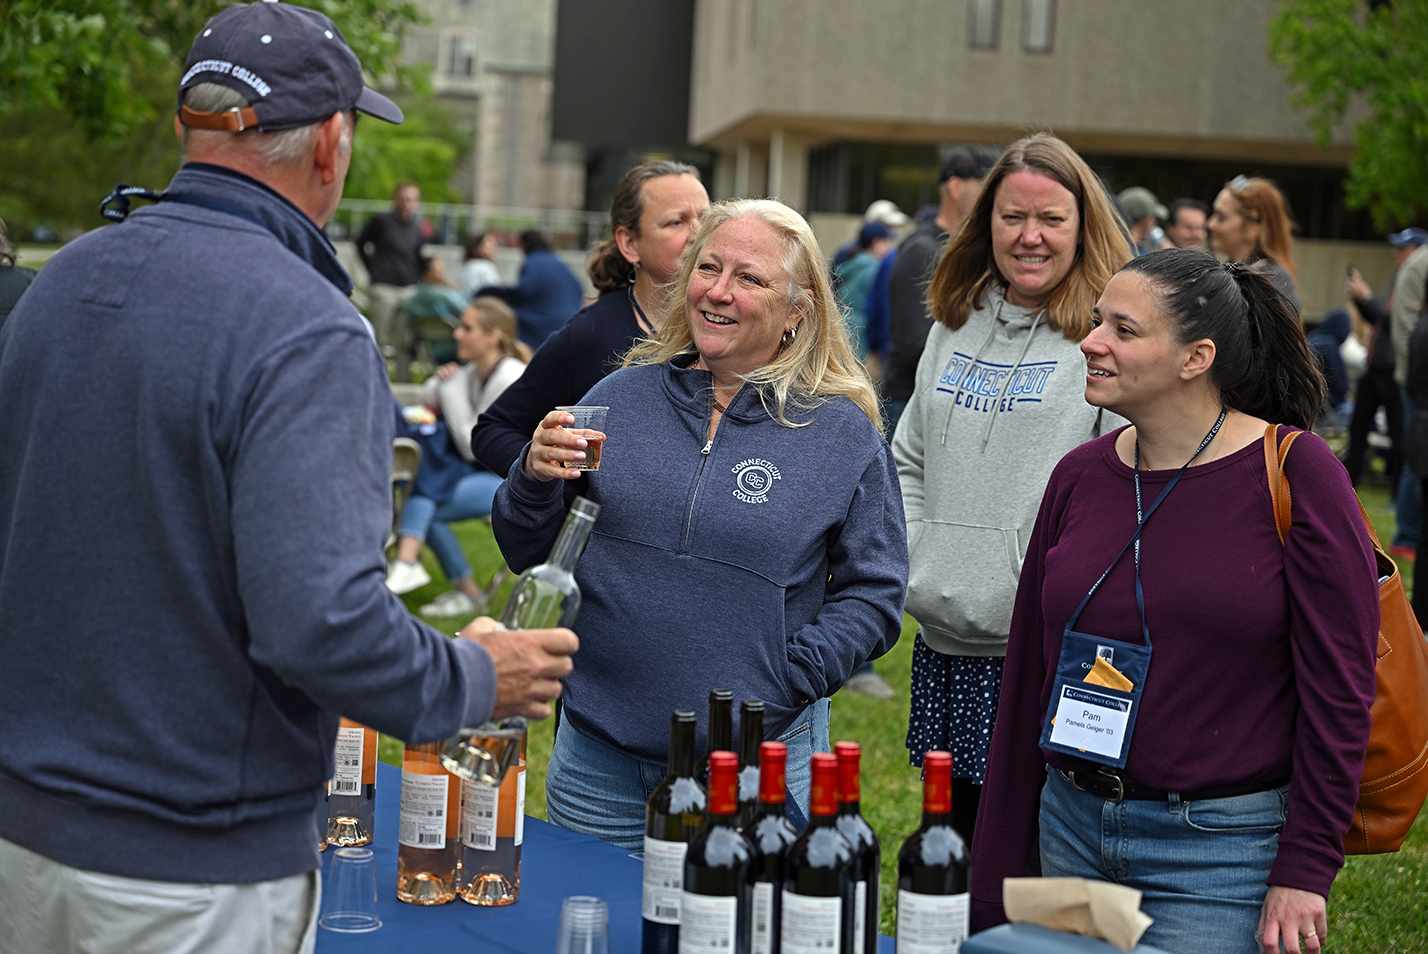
(653, 215)
(13, 278)
(478, 269)
(997, 403)
(1239, 764)
(545, 296)
(1250, 223)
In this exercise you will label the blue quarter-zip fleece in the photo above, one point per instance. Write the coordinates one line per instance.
(194, 491)
(771, 561)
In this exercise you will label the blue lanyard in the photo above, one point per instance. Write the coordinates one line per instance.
(1140, 525)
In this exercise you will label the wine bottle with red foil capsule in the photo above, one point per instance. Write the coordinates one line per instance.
(867, 853)
(427, 846)
(673, 816)
(817, 899)
(772, 834)
(720, 729)
(352, 792)
(751, 736)
(716, 905)
(932, 871)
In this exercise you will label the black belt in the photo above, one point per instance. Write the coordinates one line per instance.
(1114, 786)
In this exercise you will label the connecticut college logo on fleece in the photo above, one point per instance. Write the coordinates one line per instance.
(980, 385)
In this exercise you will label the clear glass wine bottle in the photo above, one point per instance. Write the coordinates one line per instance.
(544, 596)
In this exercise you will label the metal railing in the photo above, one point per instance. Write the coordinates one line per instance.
(571, 229)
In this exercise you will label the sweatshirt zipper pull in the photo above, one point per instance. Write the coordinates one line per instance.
(708, 445)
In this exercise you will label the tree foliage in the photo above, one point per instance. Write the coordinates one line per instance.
(87, 98)
(1341, 53)
(87, 58)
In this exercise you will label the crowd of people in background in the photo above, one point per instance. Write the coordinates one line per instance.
(953, 415)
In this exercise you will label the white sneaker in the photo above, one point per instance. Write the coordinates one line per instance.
(870, 684)
(405, 577)
(450, 603)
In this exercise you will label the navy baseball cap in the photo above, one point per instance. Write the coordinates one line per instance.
(291, 63)
(1408, 238)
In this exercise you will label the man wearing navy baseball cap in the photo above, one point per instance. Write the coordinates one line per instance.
(195, 494)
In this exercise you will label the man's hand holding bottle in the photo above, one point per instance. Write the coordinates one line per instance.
(529, 665)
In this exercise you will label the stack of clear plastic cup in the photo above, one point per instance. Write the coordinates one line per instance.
(584, 926)
(349, 898)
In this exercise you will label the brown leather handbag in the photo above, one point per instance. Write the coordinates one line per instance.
(1395, 779)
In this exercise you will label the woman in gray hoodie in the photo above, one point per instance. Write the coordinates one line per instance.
(998, 401)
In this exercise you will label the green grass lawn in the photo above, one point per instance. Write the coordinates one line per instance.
(1378, 902)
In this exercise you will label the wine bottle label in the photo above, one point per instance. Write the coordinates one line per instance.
(423, 813)
(347, 763)
(478, 816)
(860, 916)
(707, 924)
(811, 925)
(664, 880)
(521, 807)
(763, 918)
(931, 923)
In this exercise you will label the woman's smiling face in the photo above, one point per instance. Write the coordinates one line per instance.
(1036, 230)
(738, 304)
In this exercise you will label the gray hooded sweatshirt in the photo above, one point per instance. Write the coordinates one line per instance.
(997, 403)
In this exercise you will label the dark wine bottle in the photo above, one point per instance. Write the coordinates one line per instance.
(751, 736)
(817, 898)
(771, 833)
(721, 729)
(932, 871)
(867, 853)
(673, 816)
(715, 908)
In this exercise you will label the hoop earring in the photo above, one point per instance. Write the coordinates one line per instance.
(634, 271)
(789, 337)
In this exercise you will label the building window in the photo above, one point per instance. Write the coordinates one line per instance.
(460, 54)
(986, 23)
(1039, 23)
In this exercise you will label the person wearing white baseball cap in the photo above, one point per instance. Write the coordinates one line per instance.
(199, 434)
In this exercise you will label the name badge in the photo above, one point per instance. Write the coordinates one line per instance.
(1091, 720)
(1094, 698)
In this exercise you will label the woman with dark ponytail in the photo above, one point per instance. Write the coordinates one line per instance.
(1247, 663)
(654, 213)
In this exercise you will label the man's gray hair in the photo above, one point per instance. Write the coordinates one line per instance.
(280, 148)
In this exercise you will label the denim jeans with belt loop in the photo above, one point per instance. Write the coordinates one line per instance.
(1200, 865)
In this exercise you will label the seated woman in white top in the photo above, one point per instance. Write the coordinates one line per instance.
(491, 358)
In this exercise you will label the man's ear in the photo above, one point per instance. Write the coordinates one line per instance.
(327, 146)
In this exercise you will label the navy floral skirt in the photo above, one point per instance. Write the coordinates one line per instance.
(954, 706)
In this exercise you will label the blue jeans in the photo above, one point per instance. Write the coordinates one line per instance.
(1200, 865)
(427, 520)
(591, 788)
(1410, 494)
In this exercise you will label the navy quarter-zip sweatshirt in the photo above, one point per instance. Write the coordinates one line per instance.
(771, 560)
(195, 455)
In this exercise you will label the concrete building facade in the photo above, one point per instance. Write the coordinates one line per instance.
(491, 63)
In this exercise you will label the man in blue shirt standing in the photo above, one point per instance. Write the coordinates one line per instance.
(194, 494)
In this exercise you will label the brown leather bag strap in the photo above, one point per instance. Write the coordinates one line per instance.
(233, 120)
(1279, 484)
(1274, 455)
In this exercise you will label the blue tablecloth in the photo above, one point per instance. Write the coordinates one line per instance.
(555, 864)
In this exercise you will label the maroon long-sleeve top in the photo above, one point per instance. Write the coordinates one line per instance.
(1263, 659)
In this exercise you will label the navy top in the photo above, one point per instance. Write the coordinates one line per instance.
(213, 467)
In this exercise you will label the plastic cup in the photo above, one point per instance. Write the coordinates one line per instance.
(349, 899)
(584, 926)
(588, 418)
